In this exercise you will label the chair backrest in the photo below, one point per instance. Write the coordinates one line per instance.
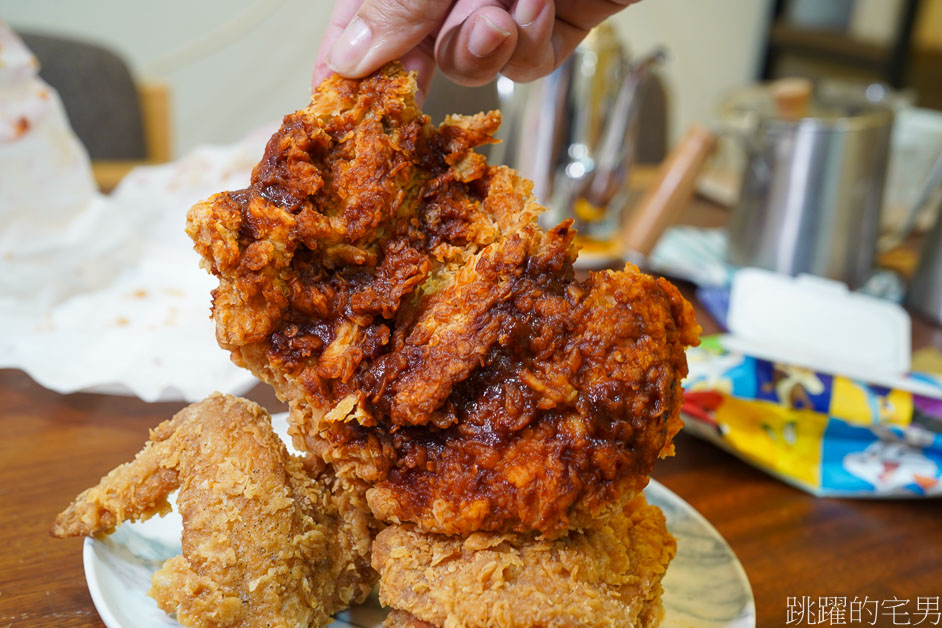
(99, 94)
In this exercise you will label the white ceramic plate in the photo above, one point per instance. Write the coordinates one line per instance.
(705, 585)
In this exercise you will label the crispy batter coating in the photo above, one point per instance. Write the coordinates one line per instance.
(401, 619)
(432, 339)
(265, 541)
(609, 576)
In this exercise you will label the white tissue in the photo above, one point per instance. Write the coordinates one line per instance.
(104, 293)
(143, 329)
(819, 324)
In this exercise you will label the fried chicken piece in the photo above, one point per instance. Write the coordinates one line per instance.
(609, 576)
(432, 339)
(572, 394)
(266, 541)
(401, 619)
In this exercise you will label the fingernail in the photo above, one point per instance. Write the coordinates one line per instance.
(485, 37)
(526, 11)
(351, 47)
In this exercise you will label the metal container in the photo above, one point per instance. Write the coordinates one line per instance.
(925, 290)
(573, 132)
(812, 190)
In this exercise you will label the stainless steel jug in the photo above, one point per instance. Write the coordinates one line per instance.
(572, 132)
(925, 290)
(812, 191)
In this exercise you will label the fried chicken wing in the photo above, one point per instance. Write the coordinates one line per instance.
(608, 576)
(266, 541)
(401, 619)
(433, 341)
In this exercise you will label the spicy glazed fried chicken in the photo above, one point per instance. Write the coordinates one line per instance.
(266, 542)
(608, 576)
(433, 341)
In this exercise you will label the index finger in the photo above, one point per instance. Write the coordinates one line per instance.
(340, 16)
(383, 30)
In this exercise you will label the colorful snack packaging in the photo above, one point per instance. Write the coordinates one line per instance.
(825, 433)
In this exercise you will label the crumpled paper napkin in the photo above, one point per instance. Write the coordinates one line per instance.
(143, 328)
(104, 293)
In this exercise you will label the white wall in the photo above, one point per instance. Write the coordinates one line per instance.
(713, 45)
(235, 64)
(231, 64)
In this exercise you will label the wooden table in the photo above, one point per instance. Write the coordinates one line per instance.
(792, 544)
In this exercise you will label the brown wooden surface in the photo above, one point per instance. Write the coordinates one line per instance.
(791, 544)
(794, 544)
(52, 447)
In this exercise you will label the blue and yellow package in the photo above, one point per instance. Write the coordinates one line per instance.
(827, 434)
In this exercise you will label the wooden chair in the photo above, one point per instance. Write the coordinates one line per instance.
(121, 122)
(155, 112)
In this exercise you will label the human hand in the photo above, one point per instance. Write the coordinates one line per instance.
(469, 40)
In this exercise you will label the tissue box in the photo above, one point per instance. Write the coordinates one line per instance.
(830, 435)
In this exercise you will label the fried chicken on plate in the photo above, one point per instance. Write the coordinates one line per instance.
(266, 541)
(433, 341)
(606, 576)
(447, 374)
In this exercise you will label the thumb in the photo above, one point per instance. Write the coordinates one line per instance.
(384, 30)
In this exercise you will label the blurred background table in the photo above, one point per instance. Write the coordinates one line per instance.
(53, 446)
